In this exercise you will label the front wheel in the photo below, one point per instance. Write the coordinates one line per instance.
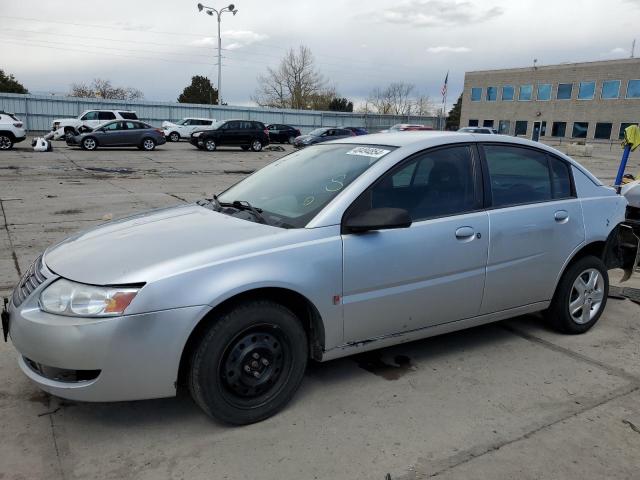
(291, 140)
(210, 145)
(89, 143)
(174, 137)
(580, 297)
(256, 145)
(249, 363)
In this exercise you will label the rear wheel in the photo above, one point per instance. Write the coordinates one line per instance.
(69, 133)
(580, 297)
(210, 145)
(148, 144)
(249, 363)
(256, 145)
(174, 137)
(6, 141)
(89, 143)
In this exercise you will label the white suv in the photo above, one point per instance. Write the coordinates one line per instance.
(11, 131)
(185, 127)
(91, 119)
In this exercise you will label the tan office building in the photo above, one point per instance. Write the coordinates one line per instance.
(592, 100)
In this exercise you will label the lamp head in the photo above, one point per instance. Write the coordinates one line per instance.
(200, 7)
(231, 7)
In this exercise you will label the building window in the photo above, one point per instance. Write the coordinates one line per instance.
(623, 126)
(487, 123)
(508, 92)
(492, 94)
(603, 131)
(521, 127)
(476, 94)
(610, 89)
(586, 90)
(525, 92)
(473, 123)
(633, 89)
(559, 129)
(580, 129)
(564, 91)
(504, 126)
(544, 91)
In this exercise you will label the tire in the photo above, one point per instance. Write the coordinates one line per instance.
(148, 144)
(580, 297)
(249, 363)
(174, 137)
(210, 145)
(89, 143)
(245, 148)
(292, 139)
(256, 145)
(69, 133)
(6, 141)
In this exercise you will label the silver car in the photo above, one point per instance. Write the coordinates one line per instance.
(335, 249)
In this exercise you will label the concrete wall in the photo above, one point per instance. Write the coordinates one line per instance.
(615, 111)
(39, 111)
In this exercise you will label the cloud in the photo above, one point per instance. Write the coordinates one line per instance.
(237, 39)
(619, 51)
(436, 13)
(448, 49)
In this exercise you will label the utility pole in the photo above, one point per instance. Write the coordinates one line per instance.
(633, 47)
(210, 11)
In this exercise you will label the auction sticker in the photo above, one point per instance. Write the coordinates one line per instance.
(371, 152)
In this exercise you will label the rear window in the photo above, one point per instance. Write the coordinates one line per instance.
(258, 126)
(128, 115)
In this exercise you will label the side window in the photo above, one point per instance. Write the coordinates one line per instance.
(232, 125)
(560, 178)
(132, 125)
(434, 184)
(106, 116)
(128, 115)
(90, 116)
(517, 175)
(113, 126)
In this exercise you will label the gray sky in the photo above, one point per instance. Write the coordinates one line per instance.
(158, 45)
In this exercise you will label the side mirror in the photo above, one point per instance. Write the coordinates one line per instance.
(378, 219)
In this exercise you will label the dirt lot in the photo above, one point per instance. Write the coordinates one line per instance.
(503, 401)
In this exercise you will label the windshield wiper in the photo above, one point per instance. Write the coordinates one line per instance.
(244, 205)
(211, 202)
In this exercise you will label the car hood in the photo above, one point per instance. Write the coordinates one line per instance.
(168, 124)
(153, 245)
(306, 138)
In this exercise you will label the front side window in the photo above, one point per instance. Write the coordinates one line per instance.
(507, 92)
(476, 94)
(610, 89)
(544, 91)
(492, 94)
(580, 130)
(633, 89)
(525, 92)
(90, 116)
(113, 126)
(434, 184)
(586, 90)
(517, 175)
(521, 127)
(565, 91)
(292, 190)
(558, 129)
(603, 131)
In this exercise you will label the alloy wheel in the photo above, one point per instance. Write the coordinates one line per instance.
(587, 295)
(148, 144)
(5, 142)
(174, 137)
(210, 145)
(256, 146)
(89, 143)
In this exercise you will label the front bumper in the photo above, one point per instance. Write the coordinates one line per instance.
(196, 142)
(131, 357)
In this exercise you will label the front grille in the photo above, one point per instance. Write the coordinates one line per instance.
(62, 374)
(31, 280)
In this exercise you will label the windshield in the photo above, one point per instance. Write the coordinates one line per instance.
(317, 132)
(396, 127)
(181, 122)
(292, 190)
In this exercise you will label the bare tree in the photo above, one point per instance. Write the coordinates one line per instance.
(294, 84)
(395, 99)
(423, 106)
(101, 88)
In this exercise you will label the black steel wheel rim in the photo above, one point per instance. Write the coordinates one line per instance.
(255, 366)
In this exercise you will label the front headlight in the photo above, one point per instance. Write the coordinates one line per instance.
(64, 297)
(196, 134)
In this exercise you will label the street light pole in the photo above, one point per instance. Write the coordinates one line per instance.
(210, 11)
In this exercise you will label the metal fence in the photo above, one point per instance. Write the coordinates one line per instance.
(39, 111)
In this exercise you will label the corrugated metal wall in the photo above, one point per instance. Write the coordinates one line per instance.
(39, 111)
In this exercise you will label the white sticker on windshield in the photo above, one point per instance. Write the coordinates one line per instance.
(368, 152)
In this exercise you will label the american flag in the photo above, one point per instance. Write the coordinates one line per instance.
(444, 86)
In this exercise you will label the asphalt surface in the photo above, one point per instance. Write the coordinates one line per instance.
(512, 400)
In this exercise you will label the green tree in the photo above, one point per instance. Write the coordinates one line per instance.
(340, 104)
(200, 91)
(453, 119)
(9, 84)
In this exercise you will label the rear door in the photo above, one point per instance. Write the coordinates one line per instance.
(132, 133)
(536, 224)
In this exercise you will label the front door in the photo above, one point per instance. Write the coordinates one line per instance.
(431, 272)
(112, 135)
(535, 135)
(536, 224)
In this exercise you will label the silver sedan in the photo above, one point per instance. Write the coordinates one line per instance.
(332, 250)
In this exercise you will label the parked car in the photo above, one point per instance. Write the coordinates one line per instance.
(282, 133)
(335, 249)
(246, 134)
(483, 130)
(11, 131)
(185, 127)
(90, 119)
(358, 130)
(320, 135)
(120, 134)
(406, 127)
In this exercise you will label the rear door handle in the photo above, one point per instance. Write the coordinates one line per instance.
(465, 233)
(561, 216)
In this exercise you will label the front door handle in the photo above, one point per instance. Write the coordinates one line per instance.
(561, 216)
(465, 233)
